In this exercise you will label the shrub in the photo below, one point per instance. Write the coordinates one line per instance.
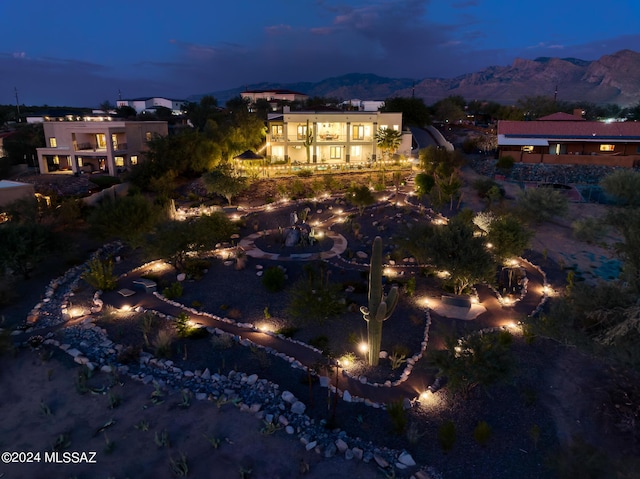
(398, 416)
(173, 291)
(305, 173)
(100, 274)
(447, 435)
(482, 433)
(162, 343)
(589, 230)
(195, 267)
(505, 162)
(104, 181)
(186, 330)
(273, 279)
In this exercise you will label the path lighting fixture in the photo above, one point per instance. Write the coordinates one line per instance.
(265, 327)
(489, 245)
(125, 308)
(363, 347)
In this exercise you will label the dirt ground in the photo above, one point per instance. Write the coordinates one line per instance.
(42, 412)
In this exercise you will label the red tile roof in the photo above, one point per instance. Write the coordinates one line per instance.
(570, 129)
(561, 116)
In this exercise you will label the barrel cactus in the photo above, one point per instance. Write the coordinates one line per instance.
(381, 306)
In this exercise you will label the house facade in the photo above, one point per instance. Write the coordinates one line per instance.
(151, 103)
(564, 139)
(92, 146)
(330, 139)
(274, 95)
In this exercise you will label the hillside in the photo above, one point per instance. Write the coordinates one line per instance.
(612, 78)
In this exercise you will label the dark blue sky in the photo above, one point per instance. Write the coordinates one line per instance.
(81, 52)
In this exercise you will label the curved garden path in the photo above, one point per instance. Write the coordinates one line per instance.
(496, 315)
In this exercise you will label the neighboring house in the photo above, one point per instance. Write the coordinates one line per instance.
(330, 139)
(567, 139)
(274, 95)
(88, 146)
(362, 105)
(150, 104)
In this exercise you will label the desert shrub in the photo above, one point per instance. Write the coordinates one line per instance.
(305, 173)
(447, 435)
(128, 355)
(162, 343)
(482, 433)
(173, 291)
(273, 279)
(410, 286)
(224, 341)
(187, 330)
(398, 416)
(195, 267)
(505, 162)
(483, 185)
(100, 274)
(589, 230)
(313, 297)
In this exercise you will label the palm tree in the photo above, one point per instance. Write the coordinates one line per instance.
(388, 140)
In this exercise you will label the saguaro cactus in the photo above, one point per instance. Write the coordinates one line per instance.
(381, 306)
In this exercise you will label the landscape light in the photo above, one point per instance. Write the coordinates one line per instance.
(363, 347)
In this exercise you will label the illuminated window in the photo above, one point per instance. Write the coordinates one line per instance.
(607, 147)
(396, 127)
(277, 153)
(53, 142)
(147, 136)
(119, 160)
(80, 162)
(302, 132)
(335, 152)
(101, 140)
(356, 151)
(276, 130)
(358, 132)
(56, 160)
(134, 159)
(527, 149)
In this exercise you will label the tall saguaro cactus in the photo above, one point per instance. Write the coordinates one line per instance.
(381, 306)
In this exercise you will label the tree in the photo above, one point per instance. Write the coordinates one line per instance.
(128, 218)
(480, 359)
(541, 204)
(424, 184)
(201, 112)
(361, 197)
(454, 248)
(537, 106)
(388, 140)
(624, 185)
(508, 237)
(106, 107)
(224, 181)
(414, 111)
(450, 109)
(20, 146)
(174, 239)
(627, 222)
(126, 112)
(23, 245)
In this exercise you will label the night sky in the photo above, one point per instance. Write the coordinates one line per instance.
(82, 52)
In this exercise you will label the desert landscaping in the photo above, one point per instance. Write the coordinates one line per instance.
(249, 386)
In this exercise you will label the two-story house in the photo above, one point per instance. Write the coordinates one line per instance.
(151, 103)
(88, 146)
(330, 139)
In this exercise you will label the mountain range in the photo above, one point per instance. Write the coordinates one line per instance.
(612, 78)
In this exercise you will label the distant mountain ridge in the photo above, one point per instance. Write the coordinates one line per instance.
(612, 78)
